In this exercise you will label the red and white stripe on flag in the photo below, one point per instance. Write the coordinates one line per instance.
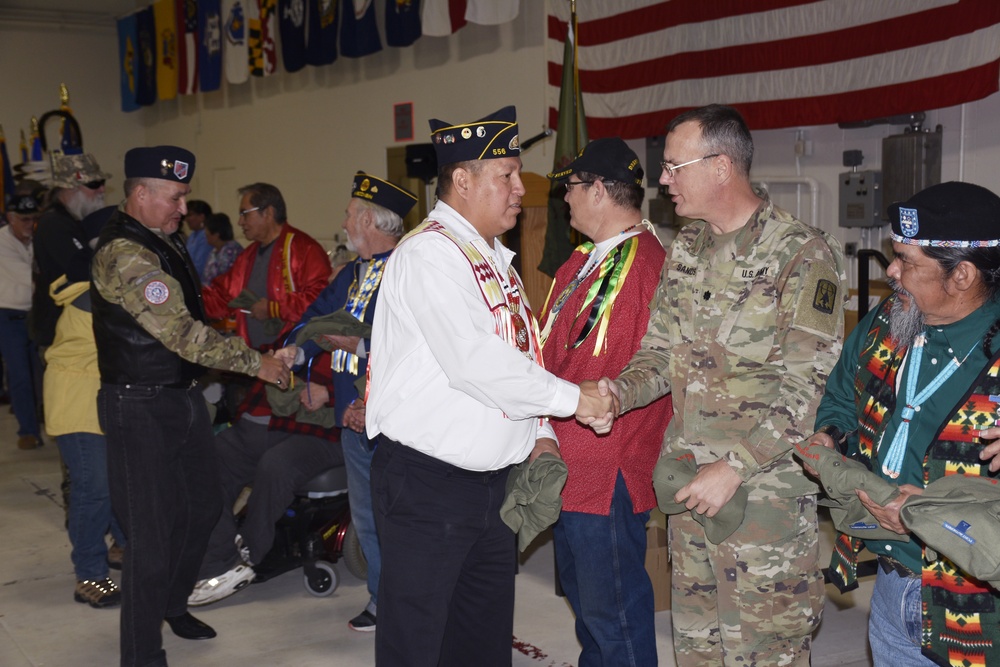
(187, 47)
(782, 63)
(440, 18)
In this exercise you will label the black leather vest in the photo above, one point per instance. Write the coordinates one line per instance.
(127, 353)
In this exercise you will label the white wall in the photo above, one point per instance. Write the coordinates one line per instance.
(308, 132)
(35, 60)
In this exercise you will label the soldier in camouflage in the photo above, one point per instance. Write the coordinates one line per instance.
(745, 326)
(152, 345)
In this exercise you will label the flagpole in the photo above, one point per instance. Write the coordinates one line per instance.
(576, 73)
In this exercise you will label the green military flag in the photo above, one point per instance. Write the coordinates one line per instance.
(571, 137)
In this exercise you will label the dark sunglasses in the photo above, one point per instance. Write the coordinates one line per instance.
(95, 185)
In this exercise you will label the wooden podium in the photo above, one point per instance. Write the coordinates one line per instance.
(532, 224)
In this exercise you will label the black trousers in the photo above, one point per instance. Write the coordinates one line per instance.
(446, 596)
(276, 464)
(165, 492)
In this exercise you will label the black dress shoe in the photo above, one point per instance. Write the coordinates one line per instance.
(187, 626)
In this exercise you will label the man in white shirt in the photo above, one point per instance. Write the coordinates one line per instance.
(19, 354)
(456, 391)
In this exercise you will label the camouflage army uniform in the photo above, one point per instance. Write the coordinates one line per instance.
(152, 344)
(745, 329)
(122, 271)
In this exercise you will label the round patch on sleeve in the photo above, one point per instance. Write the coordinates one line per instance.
(156, 292)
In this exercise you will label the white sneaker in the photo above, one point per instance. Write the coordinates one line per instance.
(217, 588)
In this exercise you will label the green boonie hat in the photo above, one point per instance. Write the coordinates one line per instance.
(840, 477)
(533, 497)
(959, 517)
(72, 171)
(338, 323)
(673, 472)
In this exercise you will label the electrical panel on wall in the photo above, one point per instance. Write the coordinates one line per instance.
(860, 194)
(910, 162)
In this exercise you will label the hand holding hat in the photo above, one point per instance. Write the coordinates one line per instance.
(676, 470)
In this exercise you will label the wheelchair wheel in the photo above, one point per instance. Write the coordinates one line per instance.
(354, 557)
(324, 582)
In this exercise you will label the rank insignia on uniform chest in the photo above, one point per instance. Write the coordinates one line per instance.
(825, 297)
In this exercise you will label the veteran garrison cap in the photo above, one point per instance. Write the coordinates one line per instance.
(674, 471)
(948, 215)
(959, 517)
(385, 194)
(168, 163)
(494, 136)
(610, 158)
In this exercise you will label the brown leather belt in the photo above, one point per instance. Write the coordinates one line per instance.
(892, 565)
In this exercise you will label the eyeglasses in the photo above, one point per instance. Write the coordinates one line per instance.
(244, 213)
(671, 169)
(95, 185)
(571, 184)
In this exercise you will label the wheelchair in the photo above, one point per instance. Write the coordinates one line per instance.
(315, 533)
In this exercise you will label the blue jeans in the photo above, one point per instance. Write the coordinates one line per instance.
(20, 357)
(358, 451)
(602, 569)
(894, 624)
(164, 484)
(90, 517)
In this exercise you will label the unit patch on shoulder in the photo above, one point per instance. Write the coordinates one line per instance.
(825, 298)
(157, 292)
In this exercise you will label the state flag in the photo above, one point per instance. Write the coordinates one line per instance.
(6, 174)
(234, 44)
(358, 30)
(146, 44)
(187, 46)
(292, 25)
(402, 22)
(128, 60)
(165, 21)
(209, 45)
(321, 32)
(491, 12)
(440, 18)
(261, 28)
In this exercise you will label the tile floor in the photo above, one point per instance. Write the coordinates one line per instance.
(276, 622)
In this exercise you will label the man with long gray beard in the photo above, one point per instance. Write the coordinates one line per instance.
(60, 242)
(917, 381)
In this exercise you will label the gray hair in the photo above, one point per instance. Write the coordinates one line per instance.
(386, 221)
(723, 132)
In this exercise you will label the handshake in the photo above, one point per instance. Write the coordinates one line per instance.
(600, 404)
(275, 367)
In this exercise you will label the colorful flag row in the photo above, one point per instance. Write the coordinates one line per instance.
(185, 46)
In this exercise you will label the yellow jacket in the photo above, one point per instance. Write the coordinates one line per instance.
(71, 374)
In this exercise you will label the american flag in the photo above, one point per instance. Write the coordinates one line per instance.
(782, 63)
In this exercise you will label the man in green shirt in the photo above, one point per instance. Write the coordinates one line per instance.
(915, 385)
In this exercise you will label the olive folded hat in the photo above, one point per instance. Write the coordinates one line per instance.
(673, 472)
(840, 476)
(959, 517)
(534, 497)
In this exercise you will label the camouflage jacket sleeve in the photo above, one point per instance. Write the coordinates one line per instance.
(121, 271)
(809, 337)
(645, 377)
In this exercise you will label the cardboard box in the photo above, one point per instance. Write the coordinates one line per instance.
(658, 566)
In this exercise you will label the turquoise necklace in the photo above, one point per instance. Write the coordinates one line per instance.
(893, 464)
